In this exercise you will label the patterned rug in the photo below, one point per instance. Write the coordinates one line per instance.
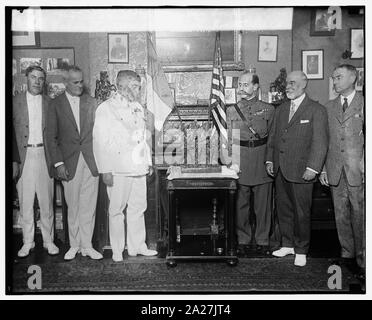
(267, 275)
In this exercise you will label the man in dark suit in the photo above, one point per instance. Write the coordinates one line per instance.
(296, 150)
(344, 167)
(69, 137)
(29, 120)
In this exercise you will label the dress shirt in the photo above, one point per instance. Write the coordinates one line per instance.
(34, 106)
(349, 98)
(75, 107)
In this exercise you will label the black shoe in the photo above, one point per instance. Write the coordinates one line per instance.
(264, 250)
(241, 250)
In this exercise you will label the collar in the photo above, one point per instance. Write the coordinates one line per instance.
(70, 97)
(29, 96)
(299, 99)
(349, 98)
(250, 101)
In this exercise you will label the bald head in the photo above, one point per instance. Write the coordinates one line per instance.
(296, 84)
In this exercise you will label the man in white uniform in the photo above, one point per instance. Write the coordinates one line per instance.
(29, 118)
(124, 159)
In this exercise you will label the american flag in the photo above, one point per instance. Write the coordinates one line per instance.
(217, 99)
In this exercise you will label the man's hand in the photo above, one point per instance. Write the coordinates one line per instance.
(151, 170)
(15, 170)
(308, 175)
(270, 169)
(62, 172)
(108, 179)
(324, 179)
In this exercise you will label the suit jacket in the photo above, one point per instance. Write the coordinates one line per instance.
(21, 123)
(15, 152)
(259, 116)
(301, 143)
(119, 138)
(346, 145)
(63, 138)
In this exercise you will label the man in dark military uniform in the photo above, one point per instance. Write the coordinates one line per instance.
(253, 119)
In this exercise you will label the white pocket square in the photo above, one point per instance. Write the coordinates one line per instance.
(304, 121)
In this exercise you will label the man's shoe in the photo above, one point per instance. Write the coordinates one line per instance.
(300, 260)
(52, 248)
(144, 252)
(117, 257)
(263, 249)
(91, 253)
(71, 253)
(282, 252)
(25, 250)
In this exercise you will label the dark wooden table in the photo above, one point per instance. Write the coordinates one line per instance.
(207, 246)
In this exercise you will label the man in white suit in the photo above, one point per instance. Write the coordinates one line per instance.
(124, 159)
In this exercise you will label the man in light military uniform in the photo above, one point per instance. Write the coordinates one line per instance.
(253, 119)
(124, 159)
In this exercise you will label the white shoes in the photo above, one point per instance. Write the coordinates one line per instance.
(25, 250)
(71, 253)
(91, 253)
(52, 248)
(144, 252)
(282, 252)
(300, 260)
(117, 257)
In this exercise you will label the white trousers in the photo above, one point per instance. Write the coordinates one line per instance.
(81, 198)
(35, 179)
(130, 193)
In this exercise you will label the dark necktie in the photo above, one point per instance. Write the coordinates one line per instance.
(345, 105)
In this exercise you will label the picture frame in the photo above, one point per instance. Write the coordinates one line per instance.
(319, 23)
(357, 43)
(118, 48)
(360, 79)
(25, 39)
(194, 51)
(313, 63)
(230, 96)
(267, 48)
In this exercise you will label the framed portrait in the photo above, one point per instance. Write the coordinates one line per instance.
(267, 48)
(360, 79)
(321, 22)
(25, 39)
(230, 95)
(312, 63)
(118, 47)
(194, 51)
(357, 43)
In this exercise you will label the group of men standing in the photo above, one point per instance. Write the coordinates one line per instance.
(70, 139)
(60, 139)
(292, 146)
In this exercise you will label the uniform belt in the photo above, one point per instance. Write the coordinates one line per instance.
(35, 145)
(253, 143)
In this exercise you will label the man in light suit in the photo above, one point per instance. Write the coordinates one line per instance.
(124, 159)
(29, 119)
(296, 150)
(344, 167)
(69, 136)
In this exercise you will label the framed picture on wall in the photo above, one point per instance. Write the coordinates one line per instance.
(321, 22)
(230, 95)
(118, 47)
(267, 48)
(356, 43)
(25, 39)
(360, 79)
(312, 63)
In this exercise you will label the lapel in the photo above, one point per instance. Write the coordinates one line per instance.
(44, 111)
(24, 109)
(337, 110)
(83, 113)
(68, 111)
(301, 108)
(353, 108)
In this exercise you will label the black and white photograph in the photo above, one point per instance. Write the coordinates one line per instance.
(210, 152)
